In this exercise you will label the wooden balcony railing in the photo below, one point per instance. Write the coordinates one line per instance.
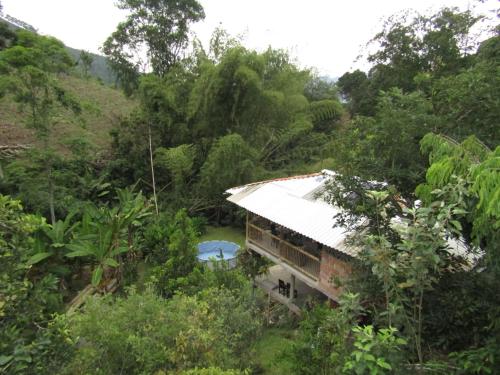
(290, 254)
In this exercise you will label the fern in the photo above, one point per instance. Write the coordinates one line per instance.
(449, 158)
(486, 187)
(323, 111)
(480, 167)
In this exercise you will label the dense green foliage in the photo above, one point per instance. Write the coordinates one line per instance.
(331, 342)
(28, 70)
(28, 296)
(158, 26)
(213, 328)
(427, 76)
(424, 120)
(478, 166)
(217, 123)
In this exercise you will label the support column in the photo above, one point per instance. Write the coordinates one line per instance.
(246, 239)
(292, 287)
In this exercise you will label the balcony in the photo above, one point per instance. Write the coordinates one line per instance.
(296, 257)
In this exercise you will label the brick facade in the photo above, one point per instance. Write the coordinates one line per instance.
(332, 268)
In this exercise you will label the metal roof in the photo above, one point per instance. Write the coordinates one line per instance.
(296, 204)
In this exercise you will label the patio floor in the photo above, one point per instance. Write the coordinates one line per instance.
(269, 282)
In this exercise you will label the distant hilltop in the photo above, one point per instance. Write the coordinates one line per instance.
(17, 23)
(99, 68)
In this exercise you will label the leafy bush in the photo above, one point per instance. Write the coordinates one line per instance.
(143, 333)
(181, 255)
(375, 352)
(28, 297)
(324, 343)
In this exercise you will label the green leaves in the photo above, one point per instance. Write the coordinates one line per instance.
(55, 241)
(229, 163)
(159, 27)
(182, 252)
(407, 284)
(325, 114)
(97, 275)
(4, 359)
(456, 224)
(474, 170)
(38, 258)
(32, 64)
(374, 350)
(409, 260)
(145, 333)
(103, 232)
(79, 250)
(111, 262)
(24, 303)
(178, 161)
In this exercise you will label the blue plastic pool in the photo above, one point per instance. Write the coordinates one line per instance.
(218, 250)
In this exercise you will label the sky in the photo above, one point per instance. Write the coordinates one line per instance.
(326, 35)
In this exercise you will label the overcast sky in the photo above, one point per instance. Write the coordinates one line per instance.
(325, 34)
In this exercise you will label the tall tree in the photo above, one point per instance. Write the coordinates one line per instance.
(354, 88)
(412, 49)
(230, 162)
(157, 27)
(470, 100)
(386, 146)
(437, 44)
(86, 59)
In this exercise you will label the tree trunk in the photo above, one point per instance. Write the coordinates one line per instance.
(419, 329)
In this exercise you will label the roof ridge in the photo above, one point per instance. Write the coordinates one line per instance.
(279, 179)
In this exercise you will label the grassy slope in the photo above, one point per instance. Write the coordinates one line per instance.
(102, 107)
(99, 67)
(269, 351)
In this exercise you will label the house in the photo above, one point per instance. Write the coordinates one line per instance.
(290, 223)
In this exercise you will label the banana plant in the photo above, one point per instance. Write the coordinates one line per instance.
(53, 240)
(104, 245)
(106, 232)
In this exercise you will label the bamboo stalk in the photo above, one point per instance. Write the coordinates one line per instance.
(152, 170)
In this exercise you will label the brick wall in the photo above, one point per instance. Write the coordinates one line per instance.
(332, 267)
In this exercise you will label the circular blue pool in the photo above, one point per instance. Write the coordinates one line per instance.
(218, 250)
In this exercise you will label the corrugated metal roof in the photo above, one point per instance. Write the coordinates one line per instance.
(292, 203)
(296, 203)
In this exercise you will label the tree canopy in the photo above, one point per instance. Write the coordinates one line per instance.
(413, 140)
(156, 28)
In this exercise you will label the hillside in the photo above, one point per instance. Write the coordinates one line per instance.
(102, 106)
(99, 68)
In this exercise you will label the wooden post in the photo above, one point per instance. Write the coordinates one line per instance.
(269, 309)
(247, 229)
